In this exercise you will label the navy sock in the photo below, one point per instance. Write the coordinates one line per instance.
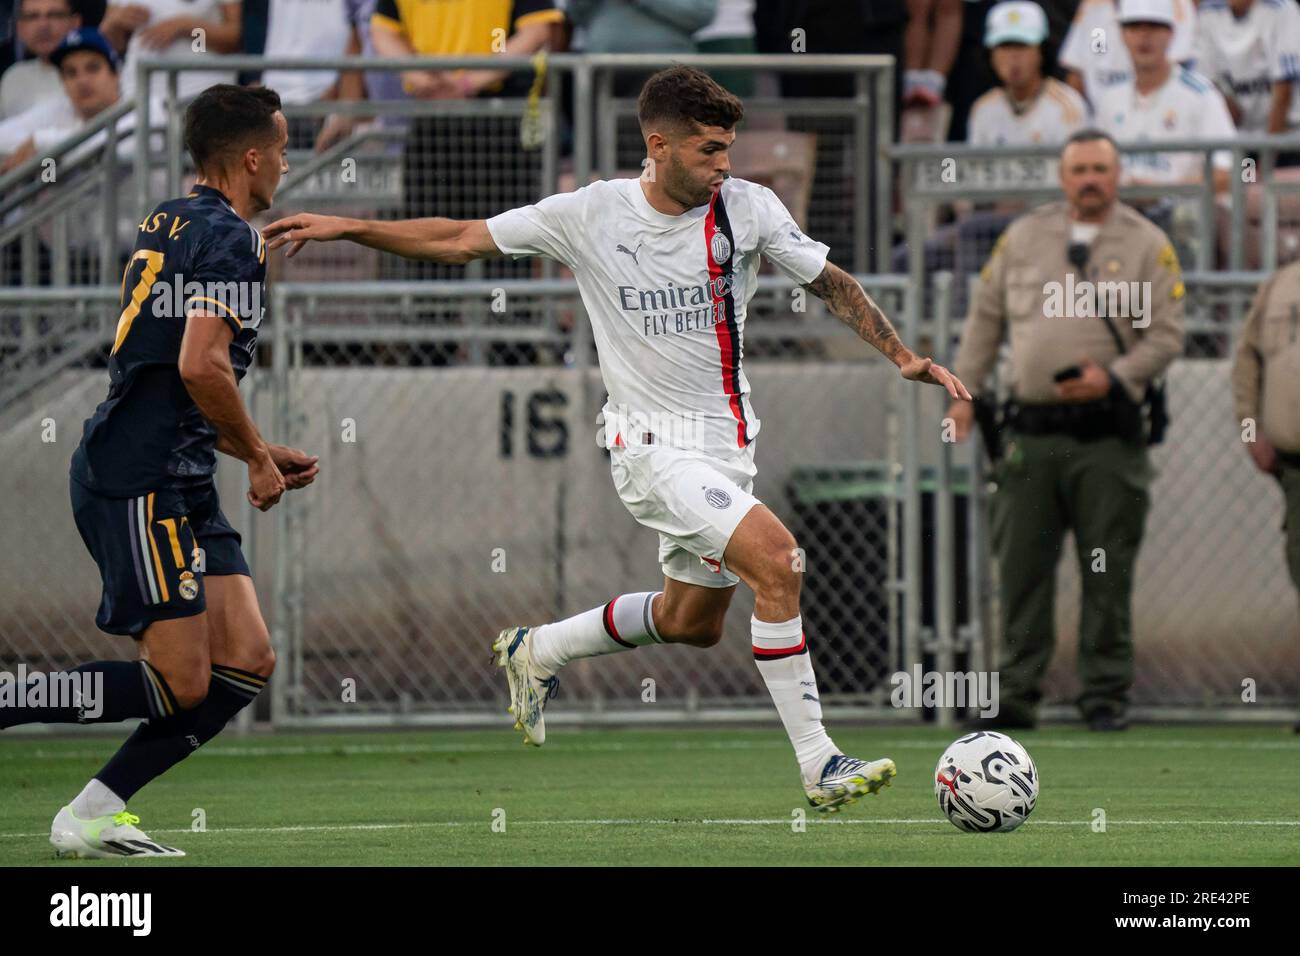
(105, 692)
(159, 745)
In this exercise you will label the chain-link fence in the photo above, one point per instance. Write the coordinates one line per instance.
(457, 501)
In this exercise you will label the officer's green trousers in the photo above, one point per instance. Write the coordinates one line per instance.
(1046, 485)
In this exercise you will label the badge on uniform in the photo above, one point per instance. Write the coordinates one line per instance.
(720, 248)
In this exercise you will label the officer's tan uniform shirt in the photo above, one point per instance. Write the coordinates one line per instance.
(1266, 372)
(1012, 300)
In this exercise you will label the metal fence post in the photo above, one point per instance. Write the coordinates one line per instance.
(913, 638)
(944, 539)
(279, 428)
(884, 165)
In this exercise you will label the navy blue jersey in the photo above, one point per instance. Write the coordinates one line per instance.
(148, 435)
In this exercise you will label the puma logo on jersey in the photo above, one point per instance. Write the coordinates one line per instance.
(631, 252)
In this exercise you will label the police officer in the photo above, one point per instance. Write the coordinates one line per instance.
(1266, 394)
(1074, 431)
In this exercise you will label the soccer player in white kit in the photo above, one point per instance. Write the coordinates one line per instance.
(666, 264)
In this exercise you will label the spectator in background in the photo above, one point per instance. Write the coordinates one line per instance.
(380, 84)
(303, 28)
(167, 28)
(930, 46)
(465, 167)
(641, 26)
(41, 25)
(732, 31)
(1250, 50)
(88, 70)
(1029, 108)
(1162, 100)
(1095, 55)
(461, 28)
(876, 26)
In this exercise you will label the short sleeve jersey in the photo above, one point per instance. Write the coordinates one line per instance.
(190, 254)
(667, 298)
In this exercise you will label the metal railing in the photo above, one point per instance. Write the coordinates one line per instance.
(54, 191)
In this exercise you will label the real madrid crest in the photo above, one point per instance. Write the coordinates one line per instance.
(720, 248)
(189, 587)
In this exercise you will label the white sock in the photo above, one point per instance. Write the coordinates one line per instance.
(781, 654)
(96, 801)
(620, 625)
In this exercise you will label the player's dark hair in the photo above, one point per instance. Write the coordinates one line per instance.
(683, 95)
(225, 118)
(1091, 134)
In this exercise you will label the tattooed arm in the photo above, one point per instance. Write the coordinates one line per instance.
(849, 303)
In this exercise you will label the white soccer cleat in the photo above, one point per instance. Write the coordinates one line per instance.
(844, 779)
(102, 838)
(528, 691)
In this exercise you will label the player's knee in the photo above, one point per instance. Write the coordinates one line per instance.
(267, 665)
(688, 630)
(190, 688)
(779, 573)
(256, 656)
(705, 635)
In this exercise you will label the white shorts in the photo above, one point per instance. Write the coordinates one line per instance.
(692, 499)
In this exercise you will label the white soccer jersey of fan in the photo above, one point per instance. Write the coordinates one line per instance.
(1054, 114)
(1102, 58)
(189, 83)
(1186, 106)
(1251, 54)
(667, 298)
(303, 28)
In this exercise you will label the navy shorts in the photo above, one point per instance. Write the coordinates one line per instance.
(153, 552)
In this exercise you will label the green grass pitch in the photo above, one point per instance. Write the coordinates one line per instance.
(711, 795)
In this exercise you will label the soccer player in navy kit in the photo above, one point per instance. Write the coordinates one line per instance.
(142, 479)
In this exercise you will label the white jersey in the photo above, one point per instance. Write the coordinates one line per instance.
(1186, 106)
(189, 83)
(667, 297)
(301, 28)
(1250, 54)
(1094, 44)
(1053, 115)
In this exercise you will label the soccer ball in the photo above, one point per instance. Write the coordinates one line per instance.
(986, 783)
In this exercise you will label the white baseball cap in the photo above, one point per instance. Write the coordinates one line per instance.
(1016, 21)
(1147, 11)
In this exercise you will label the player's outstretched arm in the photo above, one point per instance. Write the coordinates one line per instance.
(450, 241)
(205, 369)
(849, 303)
